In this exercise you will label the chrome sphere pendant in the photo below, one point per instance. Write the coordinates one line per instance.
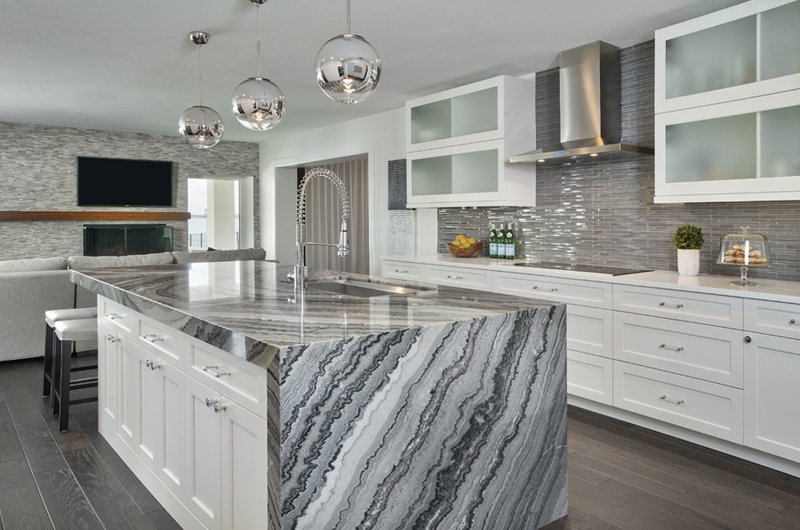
(348, 69)
(201, 127)
(258, 104)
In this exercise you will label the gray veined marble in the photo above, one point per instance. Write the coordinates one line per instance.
(439, 412)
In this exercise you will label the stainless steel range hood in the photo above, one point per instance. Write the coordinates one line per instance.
(590, 109)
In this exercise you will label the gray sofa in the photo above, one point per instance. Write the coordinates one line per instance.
(30, 287)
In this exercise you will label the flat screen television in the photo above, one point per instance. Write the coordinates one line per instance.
(119, 182)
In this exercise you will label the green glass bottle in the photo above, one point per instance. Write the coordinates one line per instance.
(501, 243)
(510, 242)
(493, 242)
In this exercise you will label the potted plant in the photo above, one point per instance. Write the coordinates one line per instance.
(688, 240)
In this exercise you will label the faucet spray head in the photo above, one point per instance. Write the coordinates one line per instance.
(343, 250)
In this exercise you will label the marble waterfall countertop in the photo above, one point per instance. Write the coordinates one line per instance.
(445, 411)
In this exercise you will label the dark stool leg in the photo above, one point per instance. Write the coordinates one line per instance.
(55, 392)
(48, 361)
(63, 393)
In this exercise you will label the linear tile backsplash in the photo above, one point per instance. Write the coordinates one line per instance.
(603, 212)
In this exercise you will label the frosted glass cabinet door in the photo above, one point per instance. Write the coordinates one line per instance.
(718, 149)
(714, 58)
(780, 41)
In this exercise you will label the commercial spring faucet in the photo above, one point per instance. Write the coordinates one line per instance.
(342, 248)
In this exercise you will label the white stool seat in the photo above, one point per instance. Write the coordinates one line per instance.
(56, 315)
(75, 330)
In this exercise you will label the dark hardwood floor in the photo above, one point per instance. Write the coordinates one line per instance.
(66, 481)
(621, 477)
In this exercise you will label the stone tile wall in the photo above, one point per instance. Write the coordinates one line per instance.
(38, 172)
(401, 220)
(603, 212)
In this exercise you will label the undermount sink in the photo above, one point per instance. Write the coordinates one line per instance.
(362, 289)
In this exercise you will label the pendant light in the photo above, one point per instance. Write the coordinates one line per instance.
(258, 103)
(348, 67)
(201, 126)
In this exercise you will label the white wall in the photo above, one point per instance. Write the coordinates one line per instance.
(382, 133)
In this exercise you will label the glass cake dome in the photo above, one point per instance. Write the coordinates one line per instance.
(744, 249)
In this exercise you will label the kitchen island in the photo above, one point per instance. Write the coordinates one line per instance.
(443, 409)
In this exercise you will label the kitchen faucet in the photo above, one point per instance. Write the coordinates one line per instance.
(342, 248)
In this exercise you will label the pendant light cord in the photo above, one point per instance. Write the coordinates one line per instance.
(200, 60)
(348, 17)
(258, 45)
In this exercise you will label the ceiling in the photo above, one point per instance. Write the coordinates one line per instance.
(129, 66)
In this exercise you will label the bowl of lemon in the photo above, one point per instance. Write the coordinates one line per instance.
(465, 247)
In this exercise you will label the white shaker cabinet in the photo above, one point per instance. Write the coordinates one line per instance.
(204, 438)
(108, 376)
(772, 395)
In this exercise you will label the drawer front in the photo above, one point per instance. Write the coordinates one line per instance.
(590, 330)
(458, 277)
(696, 350)
(118, 318)
(772, 318)
(712, 409)
(590, 377)
(245, 387)
(680, 305)
(581, 292)
(164, 342)
(402, 270)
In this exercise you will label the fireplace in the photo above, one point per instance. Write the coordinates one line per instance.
(125, 240)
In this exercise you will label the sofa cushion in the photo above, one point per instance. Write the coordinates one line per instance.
(101, 262)
(246, 254)
(33, 265)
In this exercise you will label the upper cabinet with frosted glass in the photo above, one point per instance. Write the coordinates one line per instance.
(728, 105)
(458, 143)
(748, 50)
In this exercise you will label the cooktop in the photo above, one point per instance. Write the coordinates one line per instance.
(597, 269)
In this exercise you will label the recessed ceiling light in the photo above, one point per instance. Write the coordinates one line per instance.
(593, 154)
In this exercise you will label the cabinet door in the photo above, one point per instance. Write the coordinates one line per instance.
(772, 395)
(108, 374)
(139, 397)
(244, 468)
(171, 450)
(203, 454)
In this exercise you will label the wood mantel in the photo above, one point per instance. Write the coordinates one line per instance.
(92, 216)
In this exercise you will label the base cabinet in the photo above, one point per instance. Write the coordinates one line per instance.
(772, 395)
(206, 452)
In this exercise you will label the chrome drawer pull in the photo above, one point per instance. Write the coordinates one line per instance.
(676, 306)
(400, 272)
(671, 400)
(153, 365)
(151, 338)
(210, 402)
(454, 277)
(111, 338)
(112, 316)
(212, 371)
(551, 289)
(676, 348)
(219, 407)
(793, 321)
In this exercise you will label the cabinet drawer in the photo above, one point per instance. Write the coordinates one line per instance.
(590, 377)
(458, 277)
(696, 350)
(773, 318)
(701, 406)
(402, 270)
(244, 386)
(163, 342)
(590, 330)
(680, 305)
(581, 292)
(118, 318)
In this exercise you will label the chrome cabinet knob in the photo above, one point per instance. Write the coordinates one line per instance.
(748, 339)
(219, 407)
(210, 402)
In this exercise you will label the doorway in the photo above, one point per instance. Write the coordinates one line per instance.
(324, 217)
(215, 206)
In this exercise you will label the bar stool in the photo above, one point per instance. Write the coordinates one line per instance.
(50, 319)
(66, 333)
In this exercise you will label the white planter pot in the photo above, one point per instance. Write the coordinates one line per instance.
(688, 262)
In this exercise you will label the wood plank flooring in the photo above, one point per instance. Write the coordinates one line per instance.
(63, 481)
(624, 477)
(621, 477)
